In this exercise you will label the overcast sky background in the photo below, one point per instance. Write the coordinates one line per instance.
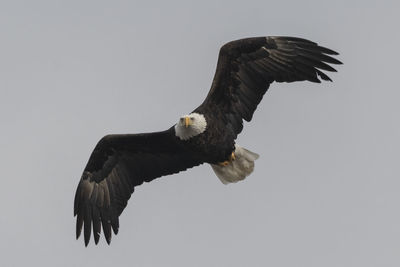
(325, 191)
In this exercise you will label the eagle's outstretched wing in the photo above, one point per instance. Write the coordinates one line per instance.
(116, 166)
(247, 67)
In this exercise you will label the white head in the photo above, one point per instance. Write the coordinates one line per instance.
(190, 125)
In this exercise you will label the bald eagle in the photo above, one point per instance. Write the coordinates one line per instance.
(245, 69)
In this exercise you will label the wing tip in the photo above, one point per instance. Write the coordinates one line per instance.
(96, 236)
(338, 61)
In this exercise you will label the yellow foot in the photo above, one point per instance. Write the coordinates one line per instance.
(232, 157)
(225, 163)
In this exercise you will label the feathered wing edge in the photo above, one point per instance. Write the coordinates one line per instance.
(247, 67)
(117, 165)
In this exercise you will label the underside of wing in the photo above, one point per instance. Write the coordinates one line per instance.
(247, 67)
(116, 166)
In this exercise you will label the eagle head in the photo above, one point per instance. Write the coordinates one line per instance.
(190, 125)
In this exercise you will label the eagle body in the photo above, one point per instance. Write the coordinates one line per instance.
(245, 69)
(217, 142)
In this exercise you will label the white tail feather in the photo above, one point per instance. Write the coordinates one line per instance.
(238, 169)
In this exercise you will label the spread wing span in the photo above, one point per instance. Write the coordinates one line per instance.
(118, 164)
(247, 67)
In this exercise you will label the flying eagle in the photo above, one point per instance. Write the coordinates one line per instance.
(245, 69)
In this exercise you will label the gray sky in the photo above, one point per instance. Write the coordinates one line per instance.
(325, 191)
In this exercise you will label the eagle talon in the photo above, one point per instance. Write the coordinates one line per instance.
(225, 163)
(233, 157)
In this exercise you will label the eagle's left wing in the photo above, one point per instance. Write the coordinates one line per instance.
(247, 67)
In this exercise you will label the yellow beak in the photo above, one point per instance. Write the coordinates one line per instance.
(187, 121)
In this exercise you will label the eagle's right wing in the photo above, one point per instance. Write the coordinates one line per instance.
(118, 164)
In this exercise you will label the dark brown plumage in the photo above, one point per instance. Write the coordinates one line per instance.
(247, 67)
(244, 72)
(118, 164)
